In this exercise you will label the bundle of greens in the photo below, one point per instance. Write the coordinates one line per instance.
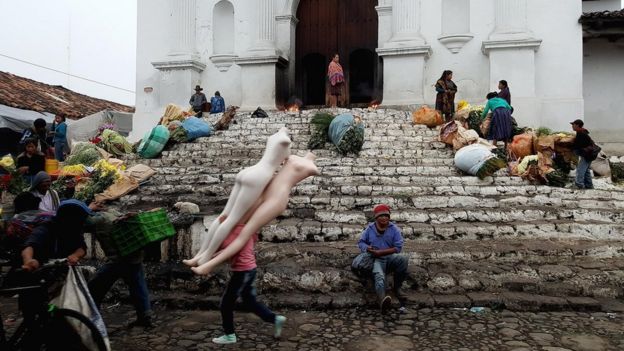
(491, 166)
(85, 154)
(352, 141)
(617, 172)
(557, 178)
(543, 131)
(103, 176)
(320, 124)
(474, 119)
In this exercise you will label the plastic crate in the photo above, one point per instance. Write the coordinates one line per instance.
(138, 231)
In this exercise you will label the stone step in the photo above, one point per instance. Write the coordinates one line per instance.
(562, 268)
(296, 230)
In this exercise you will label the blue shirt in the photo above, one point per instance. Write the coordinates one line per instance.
(217, 104)
(391, 238)
(60, 132)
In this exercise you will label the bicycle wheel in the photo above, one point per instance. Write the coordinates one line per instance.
(60, 333)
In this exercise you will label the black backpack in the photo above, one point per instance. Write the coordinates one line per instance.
(259, 113)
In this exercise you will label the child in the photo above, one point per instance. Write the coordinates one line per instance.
(243, 276)
(31, 161)
(60, 137)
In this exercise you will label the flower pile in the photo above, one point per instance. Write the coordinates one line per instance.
(102, 177)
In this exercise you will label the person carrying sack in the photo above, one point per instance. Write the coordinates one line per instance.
(587, 151)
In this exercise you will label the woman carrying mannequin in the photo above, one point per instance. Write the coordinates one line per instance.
(248, 187)
(275, 201)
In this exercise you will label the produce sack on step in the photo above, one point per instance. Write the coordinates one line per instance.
(196, 128)
(522, 145)
(346, 132)
(485, 126)
(601, 166)
(464, 137)
(427, 116)
(153, 142)
(114, 143)
(478, 160)
(448, 132)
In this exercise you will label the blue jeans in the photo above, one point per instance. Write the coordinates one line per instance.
(391, 263)
(242, 284)
(134, 277)
(59, 150)
(583, 174)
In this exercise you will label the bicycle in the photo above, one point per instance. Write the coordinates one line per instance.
(51, 328)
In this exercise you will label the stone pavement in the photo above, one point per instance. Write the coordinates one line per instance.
(364, 329)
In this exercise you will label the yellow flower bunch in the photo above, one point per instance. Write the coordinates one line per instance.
(462, 105)
(76, 170)
(7, 163)
(106, 169)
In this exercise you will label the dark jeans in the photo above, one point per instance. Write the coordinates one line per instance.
(134, 277)
(242, 284)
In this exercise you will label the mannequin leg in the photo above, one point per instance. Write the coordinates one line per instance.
(247, 197)
(263, 215)
(206, 238)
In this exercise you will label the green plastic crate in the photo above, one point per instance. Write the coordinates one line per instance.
(138, 231)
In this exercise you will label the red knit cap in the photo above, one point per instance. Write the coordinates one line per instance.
(381, 210)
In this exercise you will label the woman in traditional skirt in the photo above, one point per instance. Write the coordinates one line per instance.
(501, 128)
(445, 100)
(335, 75)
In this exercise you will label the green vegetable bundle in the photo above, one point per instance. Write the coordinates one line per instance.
(320, 124)
(85, 154)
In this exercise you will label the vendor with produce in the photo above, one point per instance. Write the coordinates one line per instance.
(501, 128)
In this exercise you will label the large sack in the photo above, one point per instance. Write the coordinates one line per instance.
(346, 132)
(196, 128)
(153, 142)
(471, 158)
(139, 172)
(601, 166)
(427, 116)
(462, 115)
(448, 132)
(464, 137)
(75, 296)
(121, 187)
(485, 126)
(522, 145)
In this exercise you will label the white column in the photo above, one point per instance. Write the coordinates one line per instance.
(265, 27)
(511, 20)
(406, 23)
(184, 26)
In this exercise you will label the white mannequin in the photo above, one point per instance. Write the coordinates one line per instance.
(274, 201)
(248, 187)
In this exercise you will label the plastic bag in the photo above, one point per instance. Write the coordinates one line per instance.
(471, 158)
(522, 145)
(153, 142)
(196, 128)
(427, 116)
(346, 132)
(75, 296)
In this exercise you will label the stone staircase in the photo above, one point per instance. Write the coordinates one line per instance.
(470, 241)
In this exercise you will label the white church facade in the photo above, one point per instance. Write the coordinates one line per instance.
(261, 53)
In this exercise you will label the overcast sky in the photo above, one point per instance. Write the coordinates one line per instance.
(86, 38)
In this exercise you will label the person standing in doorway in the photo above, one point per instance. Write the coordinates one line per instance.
(217, 104)
(335, 74)
(445, 99)
(198, 100)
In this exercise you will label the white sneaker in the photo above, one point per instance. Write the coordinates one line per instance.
(225, 339)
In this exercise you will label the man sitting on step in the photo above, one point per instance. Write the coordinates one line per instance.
(380, 245)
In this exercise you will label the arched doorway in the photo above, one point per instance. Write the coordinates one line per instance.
(346, 27)
(313, 78)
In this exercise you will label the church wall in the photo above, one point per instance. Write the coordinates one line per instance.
(558, 61)
(604, 92)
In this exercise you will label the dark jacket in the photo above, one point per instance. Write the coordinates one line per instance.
(582, 140)
(35, 163)
(52, 240)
